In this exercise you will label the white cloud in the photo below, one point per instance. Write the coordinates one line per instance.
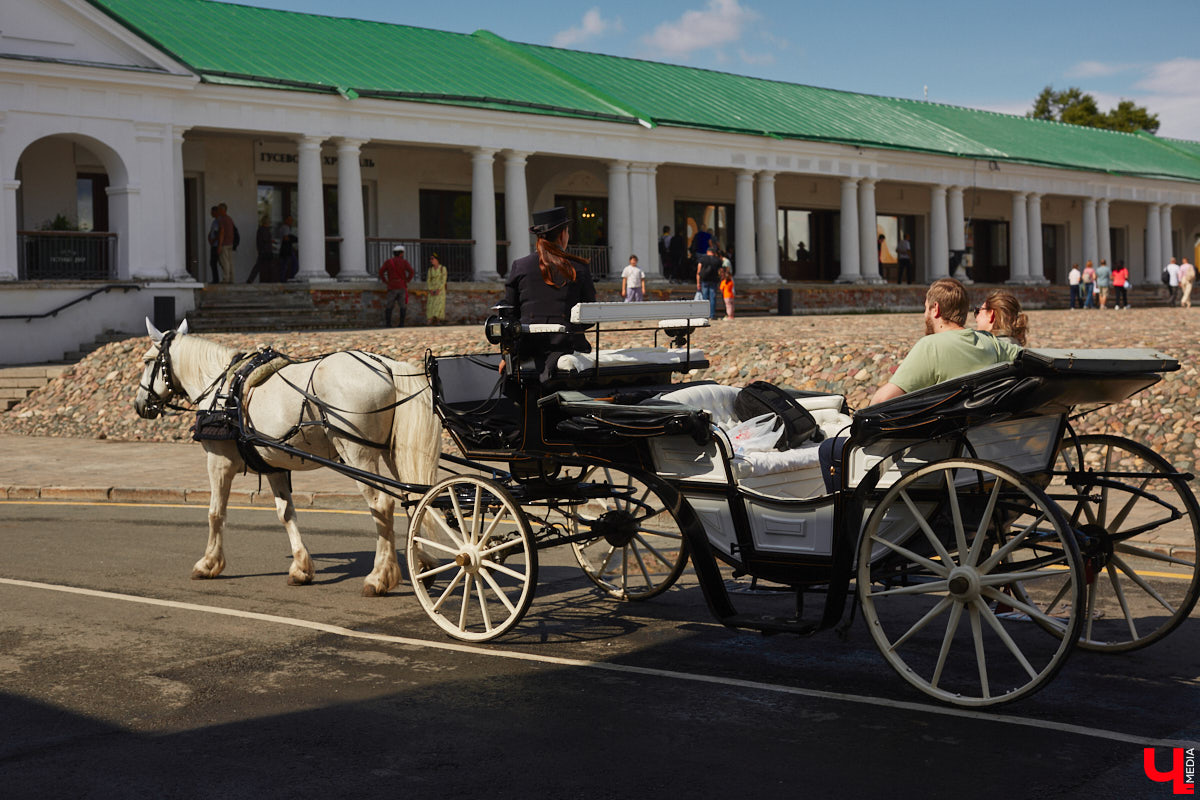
(1096, 69)
(591, 26)
(719, 23)
(1177, 76)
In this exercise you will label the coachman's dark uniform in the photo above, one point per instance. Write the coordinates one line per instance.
(538, 303)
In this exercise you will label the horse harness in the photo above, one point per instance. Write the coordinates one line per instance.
(225, 419)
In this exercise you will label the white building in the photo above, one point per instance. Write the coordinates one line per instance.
(128, 119)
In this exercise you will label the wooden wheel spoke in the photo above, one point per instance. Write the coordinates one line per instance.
(980, 655)
(1140, 581)
(501, 568)
(960, 533)
(500, 548)
(429, 573)
(499, 592)
(941, 606)
(984, 522)
(947, 640)
(438, 545)
(1128, 549)
(654, 552)
(928, 531)
(1119, 519)
(942, 569)
(466, 602)
(449, 589)
(1120, 593)
(920, 588)
(449, 531)
(1005, 578)
(1010, 545)
(1020, 605)
(640, 563)
(990, 616)
(483, 605)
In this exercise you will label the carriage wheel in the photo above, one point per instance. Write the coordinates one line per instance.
(1136, 595)
(638, 550)
(471, 558)
(949, 603)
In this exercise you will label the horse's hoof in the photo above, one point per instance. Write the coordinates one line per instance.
(371, 591)
(294, 581)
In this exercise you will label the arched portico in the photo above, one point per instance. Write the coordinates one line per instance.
(66, 211)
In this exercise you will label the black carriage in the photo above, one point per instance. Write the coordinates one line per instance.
(981, 535)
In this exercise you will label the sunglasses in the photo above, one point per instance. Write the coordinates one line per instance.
(976, 309)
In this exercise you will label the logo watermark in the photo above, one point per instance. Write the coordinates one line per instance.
(1182, 775)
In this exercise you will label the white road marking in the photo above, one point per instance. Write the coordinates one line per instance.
(454, 647)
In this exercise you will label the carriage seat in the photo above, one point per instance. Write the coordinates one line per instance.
(634, 357)
(718, 400)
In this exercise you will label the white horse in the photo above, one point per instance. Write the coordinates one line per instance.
(360, 393)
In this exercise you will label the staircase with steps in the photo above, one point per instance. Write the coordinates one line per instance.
(269, 307)
(16, 383)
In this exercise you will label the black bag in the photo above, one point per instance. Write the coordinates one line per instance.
(1166, 276)
(237, 237)
(761, 397)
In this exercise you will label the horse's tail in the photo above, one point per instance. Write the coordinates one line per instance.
(416, 432)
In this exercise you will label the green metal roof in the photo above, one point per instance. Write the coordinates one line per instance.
(247, 46)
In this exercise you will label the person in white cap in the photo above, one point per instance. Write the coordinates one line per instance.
(396, 272)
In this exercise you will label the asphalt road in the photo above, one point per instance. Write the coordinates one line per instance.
(120, 677)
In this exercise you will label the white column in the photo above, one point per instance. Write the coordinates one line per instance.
(639, 217)
(851, 271)
(351, 225)
(767, 250)
(620, 243)
(1090, 251)
(652, 268)
(1018, 246)
(955, 223)
(483, 214)
(939, 242)
(177, 265)
(1037, 269)
(1164, 219)
(1103, 237)
(125, 219)
(8, 231)
(516, 205)
(310, 211)
(745, 257)
(868, 232)
(1154, 256)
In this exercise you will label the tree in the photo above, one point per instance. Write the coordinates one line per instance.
(1076, 107)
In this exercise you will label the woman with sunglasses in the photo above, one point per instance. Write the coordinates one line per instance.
(1001, 316)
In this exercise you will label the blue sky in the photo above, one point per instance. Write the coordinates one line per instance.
(996, 56)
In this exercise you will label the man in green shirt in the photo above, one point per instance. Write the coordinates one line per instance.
(948, 348)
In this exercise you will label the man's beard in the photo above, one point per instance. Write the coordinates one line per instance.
(928, 326)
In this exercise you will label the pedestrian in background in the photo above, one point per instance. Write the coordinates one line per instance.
(708, 278)
(633, 282)
(1073, 279)
(1120, 281)
(264, 264)
(1088, 283)
(226, 242)
(435, 284)
(727, 292)
(396, 272)
(214, 249)
(1187, 276)
(1103, 283)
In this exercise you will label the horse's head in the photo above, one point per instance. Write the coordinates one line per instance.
(158, 385)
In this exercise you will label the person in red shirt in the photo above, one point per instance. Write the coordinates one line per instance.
(396, 272)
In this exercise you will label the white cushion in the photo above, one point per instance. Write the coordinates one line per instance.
(578, 362)
(770, 462)
(714, 398)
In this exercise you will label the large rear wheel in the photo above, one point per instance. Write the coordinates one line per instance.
(637, 549)
(1141, 527)
(950, 601)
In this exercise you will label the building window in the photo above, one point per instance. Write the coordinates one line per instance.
(446, 214)
(693, 217)
(590, 217)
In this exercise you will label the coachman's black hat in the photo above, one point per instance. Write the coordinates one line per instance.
(549, 221)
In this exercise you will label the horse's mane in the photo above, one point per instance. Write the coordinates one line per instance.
(205, 359)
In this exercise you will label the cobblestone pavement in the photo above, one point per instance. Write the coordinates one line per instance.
(844, 354)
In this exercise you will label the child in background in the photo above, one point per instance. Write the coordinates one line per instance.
(727, 291)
